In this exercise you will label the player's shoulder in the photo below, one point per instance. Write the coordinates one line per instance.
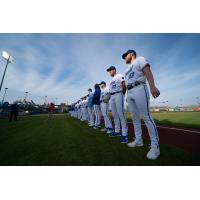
(118, 75)
(142, 59)
(106, 89)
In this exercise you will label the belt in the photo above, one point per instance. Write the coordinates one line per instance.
(115, 92)
(131, 86)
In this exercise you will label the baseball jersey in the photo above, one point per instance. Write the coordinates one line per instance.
(84, 104)
(116, 83)
(104, 93)
(135, 71)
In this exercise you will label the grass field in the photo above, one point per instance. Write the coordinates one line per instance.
(67, 141)
(180, 119)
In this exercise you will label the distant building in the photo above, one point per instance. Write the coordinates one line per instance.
(177, 109)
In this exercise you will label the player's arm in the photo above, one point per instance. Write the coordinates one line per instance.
(148, 73)
(123, 87)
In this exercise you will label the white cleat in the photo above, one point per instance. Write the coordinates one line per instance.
(109, 131)
(153, 153)
(135, 144)
(90, 125)
(103, 129)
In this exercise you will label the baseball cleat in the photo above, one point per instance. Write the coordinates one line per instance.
(114, 134)
(96, 127)
(153, 153)
(103, 129)
(109, 130)
(124, 139)
(135, 144)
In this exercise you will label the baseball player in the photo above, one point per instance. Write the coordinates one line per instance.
(96, 103)
(90, 108)
(84, 109)
(117, 91)
(138, 100)
(81, 108)
(104, 100)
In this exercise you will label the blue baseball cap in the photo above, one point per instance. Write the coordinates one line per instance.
(111, 68)
(129, 51)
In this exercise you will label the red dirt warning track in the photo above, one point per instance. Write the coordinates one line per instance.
(184, 138)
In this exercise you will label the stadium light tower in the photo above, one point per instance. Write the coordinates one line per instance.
(9, 59)
(45, 100)
(26, 93)
(4, 95)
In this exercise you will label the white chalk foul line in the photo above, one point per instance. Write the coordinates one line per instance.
(177, 129)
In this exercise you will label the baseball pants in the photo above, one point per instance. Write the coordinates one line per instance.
(85, 114)
(138, 104)
(97, 115)
(117, 106)
(91, 116)
(104, 111)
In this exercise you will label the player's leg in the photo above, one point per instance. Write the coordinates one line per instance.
(97, 116)
(121, 113)
(95, 113)
(132, 107)
(103, 111)
(92, 116)
(89, 113)
(84, 114)
(107, 118)
(115, 115)
(81, 116)
(142, 101)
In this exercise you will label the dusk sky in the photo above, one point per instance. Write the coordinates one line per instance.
(66, 65)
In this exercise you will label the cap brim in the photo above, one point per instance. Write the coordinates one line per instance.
(124, 55)
(108, 70)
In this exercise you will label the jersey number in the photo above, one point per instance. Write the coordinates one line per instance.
(131, 75)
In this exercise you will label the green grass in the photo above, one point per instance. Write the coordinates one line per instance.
(180, 119)
(67, 141)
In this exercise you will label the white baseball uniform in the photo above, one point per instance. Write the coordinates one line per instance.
(90, 109)
(84, 110)
(104, 99)
(79, 110)
(117, 104)
(138, 100)
(97, 112)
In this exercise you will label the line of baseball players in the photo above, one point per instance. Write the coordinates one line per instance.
(90, 107)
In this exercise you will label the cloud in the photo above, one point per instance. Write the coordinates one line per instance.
(66, 65)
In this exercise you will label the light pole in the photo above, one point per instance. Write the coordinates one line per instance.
(45, 101)
(26, 93)
(4, 95)
(9, 59)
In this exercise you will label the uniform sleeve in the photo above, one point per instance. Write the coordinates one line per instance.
(120, 78)
(143, 62)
